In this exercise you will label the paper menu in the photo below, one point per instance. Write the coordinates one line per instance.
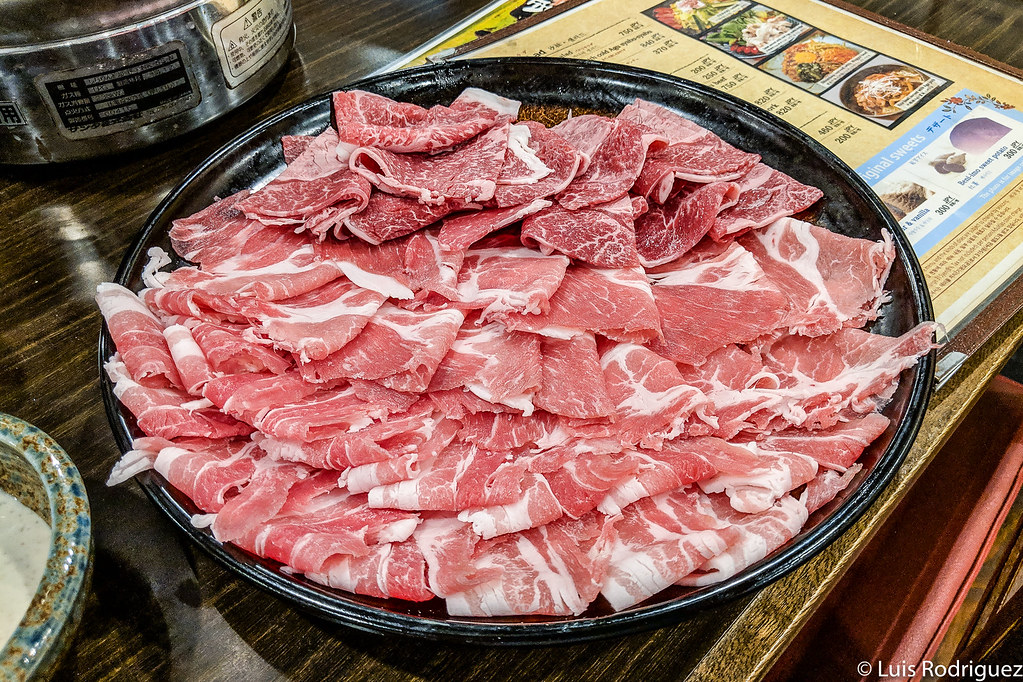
(884, 101)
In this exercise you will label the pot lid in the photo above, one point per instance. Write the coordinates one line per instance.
(34, 22)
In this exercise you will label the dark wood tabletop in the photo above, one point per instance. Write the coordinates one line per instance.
(161, 609)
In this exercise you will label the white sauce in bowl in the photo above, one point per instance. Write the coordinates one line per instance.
(24, 546)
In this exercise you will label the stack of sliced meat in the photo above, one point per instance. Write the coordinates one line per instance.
(448, 354)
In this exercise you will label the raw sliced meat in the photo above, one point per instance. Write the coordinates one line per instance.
(322, 415)
(260, 499)
(572, 383)
(766, 194)
(216, 233)
(138, 336)
(826, 487)
(537, 506)
(249, 395)
(602, 235)
(393, 570)
(705, 299)
(388, 216)
(616, 303)
(522, 181)
(677, 464)
(430, 268)
(192, 366)
(832, 281)
(613, 168)
(460, 232)
(756, 489)
(293, 145)
(399, 348)
(230, 351)
(466, 173)
(837, 447)
(666, 232)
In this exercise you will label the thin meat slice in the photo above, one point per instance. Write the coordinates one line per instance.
(388, 216)
(507, 280)
(585, 133)
(557, 569)
(458, 233)
(430, 268)
(466, 173)
(366, 119)
(392, 570)
(379, 268)
(448, 546)
(319, 322)
(706, 298)
(668, 231)
(677, 464)
(170, 412)
(757, 488)
(316, 180)
(216, 233)
(230, 351)
(661, 540)
(766, 194)
(837, 447)
(498, 365)
(572, 383)
(322, 415)
(292, 146)
(193, 368)
(613, 168)
(535, 507)
(832, 281)
(249, 395)
(826, 487)
(760, 534)
(138, 336)
(399, 348)
(539, 166)
(506, 431)
(260, 499)
(616, 303)
(602, 235)
(460, 477)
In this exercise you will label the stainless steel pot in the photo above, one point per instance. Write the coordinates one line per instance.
(102, 76)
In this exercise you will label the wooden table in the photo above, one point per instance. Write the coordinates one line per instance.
(160, 609)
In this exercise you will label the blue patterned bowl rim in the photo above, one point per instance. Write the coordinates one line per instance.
(45, 629)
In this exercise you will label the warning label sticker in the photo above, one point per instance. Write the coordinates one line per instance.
(103, 99)
(249, 37)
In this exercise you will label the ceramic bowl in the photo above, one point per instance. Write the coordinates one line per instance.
(36, 471)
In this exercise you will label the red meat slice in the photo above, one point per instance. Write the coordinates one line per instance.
(572, 383)
(367, 119)
(826, 487)
(766, 195)
(448, 546)
(293, 145)
(757, 488)
(667, 232)
(138, 336)
(169, 412)
(837, 447)
(461, 231)
(430, 268)
(399, 348)
(505, 431)
(192, 366)
(677, 464)
(393, 570)
(247, 396)
(613, 168)
(377, 268)
(507, 280)
(498, 365)
(322, 415)
(218, 232)
(522, 180)
(259, 501)
(713, 296)
(602, 235)
(616, 303)
(556, 569)
(388, 216)
(466, 173)
(229, 351)
(832, 281)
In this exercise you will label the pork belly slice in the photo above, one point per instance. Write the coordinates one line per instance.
(138, 336)
(207, 470)
(572, 383)
(371, 120)
(249, 395)
(230, 350)
(498, 365)
(501, 278)
(557, 569)
(539, 163)
(659, 541)
(315, 192)
(765, 195)
(616, 303)
(837, 447)
(668, 231)
(466, 173)
(401, 349)
(392, 570)
(677, 464)
(832, 281)
(170, 412)
(755, 489)
(259, 500)
(319, 322)
(651, 400)
(461, 476)
(603, 235)
(193, 368)
(713, 296)
(306, 536)
(759, 535)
